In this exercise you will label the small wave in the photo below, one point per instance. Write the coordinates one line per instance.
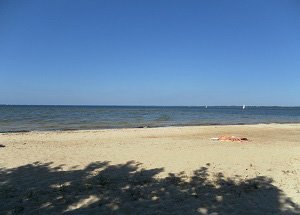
(15, 131)
(163, 117)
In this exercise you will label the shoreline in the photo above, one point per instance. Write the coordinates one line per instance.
(146, 127)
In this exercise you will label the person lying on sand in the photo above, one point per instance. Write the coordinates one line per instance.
(230, 138)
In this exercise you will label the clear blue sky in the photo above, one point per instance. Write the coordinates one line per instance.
(150, 52)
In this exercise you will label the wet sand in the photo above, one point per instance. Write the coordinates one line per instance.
(151, 170)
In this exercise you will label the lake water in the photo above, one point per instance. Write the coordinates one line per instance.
(29, 118)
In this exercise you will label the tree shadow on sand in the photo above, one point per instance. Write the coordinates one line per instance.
(102, 188)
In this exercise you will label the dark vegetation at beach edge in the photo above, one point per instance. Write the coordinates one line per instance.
(40, 188)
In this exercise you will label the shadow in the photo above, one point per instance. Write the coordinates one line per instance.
(101, 188)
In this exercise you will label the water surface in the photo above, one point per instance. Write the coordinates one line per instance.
(29, 118)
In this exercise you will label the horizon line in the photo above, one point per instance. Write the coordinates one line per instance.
(109, 105)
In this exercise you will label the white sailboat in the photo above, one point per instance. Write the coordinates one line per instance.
(244, 106)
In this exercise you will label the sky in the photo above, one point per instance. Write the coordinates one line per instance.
(166, 52)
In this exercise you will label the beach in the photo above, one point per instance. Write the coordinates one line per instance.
(152, 170)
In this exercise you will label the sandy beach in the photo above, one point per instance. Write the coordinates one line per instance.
(152, 170)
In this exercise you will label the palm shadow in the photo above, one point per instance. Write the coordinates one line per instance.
(102, 188)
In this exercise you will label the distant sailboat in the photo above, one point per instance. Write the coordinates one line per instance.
(206, 106)
(244, 106)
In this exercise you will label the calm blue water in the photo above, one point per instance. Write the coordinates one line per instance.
(28, 118)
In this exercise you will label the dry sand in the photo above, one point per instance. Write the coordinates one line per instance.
(152, 170)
